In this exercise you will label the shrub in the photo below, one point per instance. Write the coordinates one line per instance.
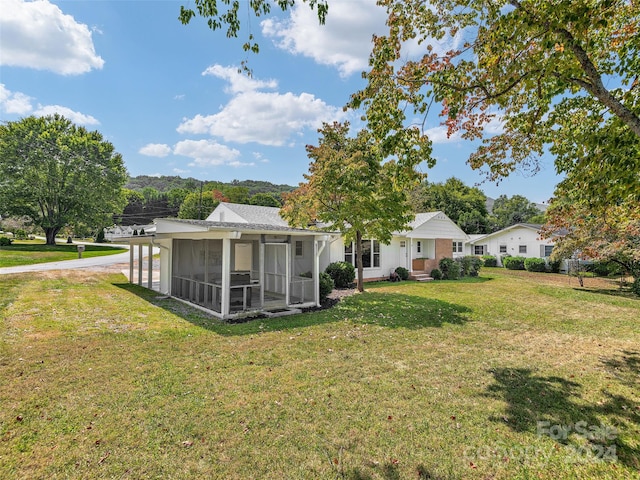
(490, 261)
(514, 263)
(535, 265)
(469, 265)
(450, 269)
(436, 274)
(635, 286)
(326, 286)
(20, 234)
(604, 269)
(342, 273)
(554, 266)
(402, 272)
(5, 242)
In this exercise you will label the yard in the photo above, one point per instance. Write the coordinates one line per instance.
(29, 252)
(510, 375)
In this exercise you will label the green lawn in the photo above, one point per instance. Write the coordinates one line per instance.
(35, 251)
(442, 380)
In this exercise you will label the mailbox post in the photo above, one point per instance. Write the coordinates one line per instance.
(80, 250)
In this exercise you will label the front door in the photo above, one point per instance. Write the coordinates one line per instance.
(276, 278)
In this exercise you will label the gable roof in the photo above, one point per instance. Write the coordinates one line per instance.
(254, 214)
(207, 225)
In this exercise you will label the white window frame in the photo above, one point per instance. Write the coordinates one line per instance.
(299, 248)
(522, 249)
(503, 248)
(478, 250)
(350, 253)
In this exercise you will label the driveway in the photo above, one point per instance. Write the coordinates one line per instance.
(93, 262)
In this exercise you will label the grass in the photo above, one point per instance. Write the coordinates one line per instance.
(441, 380)
(29, 252)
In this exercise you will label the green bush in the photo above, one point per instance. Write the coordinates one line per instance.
(342, 273)
(554, 266)
(535, 265)
(490, 261)
(326, 285)
(403, 273)
(436, 274)
(20, 234)
(513, 263)
(469, 265)
(450, 269)
(5, 242)
(604, 269)
(635, 286)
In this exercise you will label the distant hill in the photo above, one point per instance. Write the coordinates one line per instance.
(167, 183)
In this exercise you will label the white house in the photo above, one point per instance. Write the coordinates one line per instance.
(430, 237)
(519, 240)
(245, 258)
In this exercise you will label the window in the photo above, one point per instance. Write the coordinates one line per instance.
(457, 247)
(478, 249)
(370, 254)
(522, 249)
(547, 250)
(419, 246)
(299, 249)
(403, 243)
(503, 249)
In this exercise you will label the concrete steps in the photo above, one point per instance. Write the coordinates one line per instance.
(420, 277)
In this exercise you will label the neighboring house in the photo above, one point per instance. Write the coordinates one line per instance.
(124, 231)
(519, 240)
(245, 258)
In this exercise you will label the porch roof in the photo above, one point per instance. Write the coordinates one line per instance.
(207, 225)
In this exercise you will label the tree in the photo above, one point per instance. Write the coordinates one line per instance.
(608, 233)
(531, 67)
(352, 189)
(509, 211)
(198, 205)
(464, 205)
(265, 199)
(57, 173)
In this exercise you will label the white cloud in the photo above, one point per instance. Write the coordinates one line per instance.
(75, 117)
(207, 153)
(14, 102)
(439, 135)
(39, 35)
(155, 150)
(344, 42)
(265, 118)
(238, 81)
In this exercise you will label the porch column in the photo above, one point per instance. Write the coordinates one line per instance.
(140, 258)
(150, 267)
(226, 276)
(131, 261)
(316, 273)
(261, 273)
(287, 285)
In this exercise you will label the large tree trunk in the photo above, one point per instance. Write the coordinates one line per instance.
(50, 233)
(360, 280)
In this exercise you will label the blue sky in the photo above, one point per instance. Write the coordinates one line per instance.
(170, 99)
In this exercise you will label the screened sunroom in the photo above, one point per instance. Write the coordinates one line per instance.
(235, 269)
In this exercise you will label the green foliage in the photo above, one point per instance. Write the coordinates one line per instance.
(604, 268)
(469, 265)
(535, 265)
(20, 234)
(354, 188)
(402, 272)
(513, 263)
(342, 273)
(508, 211)
(58, 174)
(5, 242)
(436, 274)
(198, 205)
(554, 266)
(450, 269)
(635, 286)
(326, 285)
(490, 261)
(265, 199)
(464, 205)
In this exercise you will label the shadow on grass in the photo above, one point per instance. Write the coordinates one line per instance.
(611, 292)
(392, 310)
(552, 406)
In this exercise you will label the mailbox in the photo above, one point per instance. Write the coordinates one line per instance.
(80, 250)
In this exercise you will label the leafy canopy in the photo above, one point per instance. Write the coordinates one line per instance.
(59, 174)
(351, 189)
